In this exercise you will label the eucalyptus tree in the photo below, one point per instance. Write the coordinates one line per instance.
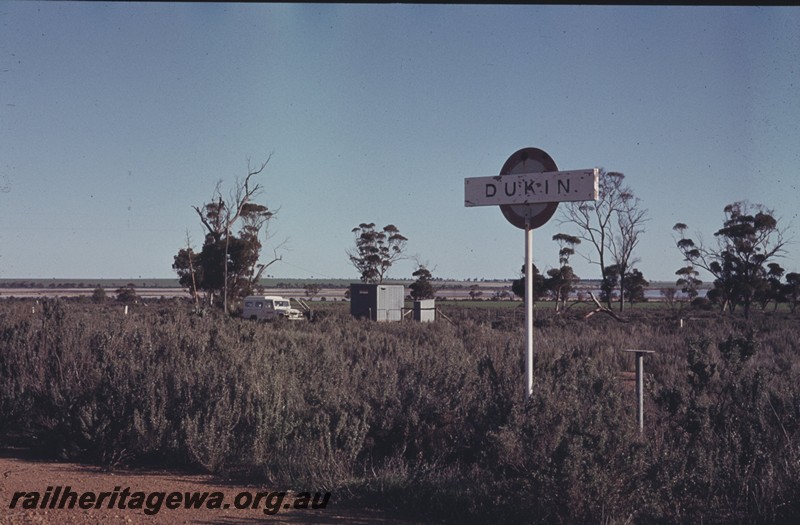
(749, 240)
(561, 281)
(612, 226)
(791, 290)
(422, 287)
(228, 263)
(539, 284)
(376, 251)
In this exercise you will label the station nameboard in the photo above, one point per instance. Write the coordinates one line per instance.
(528, 191)
(532, 188)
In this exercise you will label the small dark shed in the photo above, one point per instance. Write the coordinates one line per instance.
(379, 302)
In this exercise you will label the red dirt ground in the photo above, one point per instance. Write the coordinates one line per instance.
(21, 473)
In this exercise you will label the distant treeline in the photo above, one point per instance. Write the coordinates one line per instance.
(267, 283)
(88, 283)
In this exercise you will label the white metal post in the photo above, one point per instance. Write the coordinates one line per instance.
(529, 307)
(640, 389)
(639, 355)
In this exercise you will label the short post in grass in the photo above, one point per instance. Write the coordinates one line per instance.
(640, 385)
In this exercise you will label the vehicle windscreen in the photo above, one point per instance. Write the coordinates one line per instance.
(281, 304)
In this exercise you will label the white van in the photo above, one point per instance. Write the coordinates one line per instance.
(269, 308)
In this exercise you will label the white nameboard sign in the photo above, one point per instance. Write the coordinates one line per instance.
(530, 188)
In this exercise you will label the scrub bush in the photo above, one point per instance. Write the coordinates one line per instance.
(432, 418)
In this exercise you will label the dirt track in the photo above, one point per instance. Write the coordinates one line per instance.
(19, 473)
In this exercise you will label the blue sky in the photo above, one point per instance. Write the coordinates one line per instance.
(116, 118)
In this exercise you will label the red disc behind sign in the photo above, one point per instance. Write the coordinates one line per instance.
(528, 160)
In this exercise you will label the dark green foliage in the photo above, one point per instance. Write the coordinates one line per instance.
(791, 290)
(631, 285)
(539, 284)
(99, 294)
(688, 280)
(227, 265)
(125, 294)
(560, 282)
(422, 287)
(741, 262)
(205, 271)
(634, 287)
(430, 418)
(609, 283)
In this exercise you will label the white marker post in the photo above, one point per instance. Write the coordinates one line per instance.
(528, 191)
(640, 385)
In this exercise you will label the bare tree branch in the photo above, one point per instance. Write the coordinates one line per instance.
(602, 309)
